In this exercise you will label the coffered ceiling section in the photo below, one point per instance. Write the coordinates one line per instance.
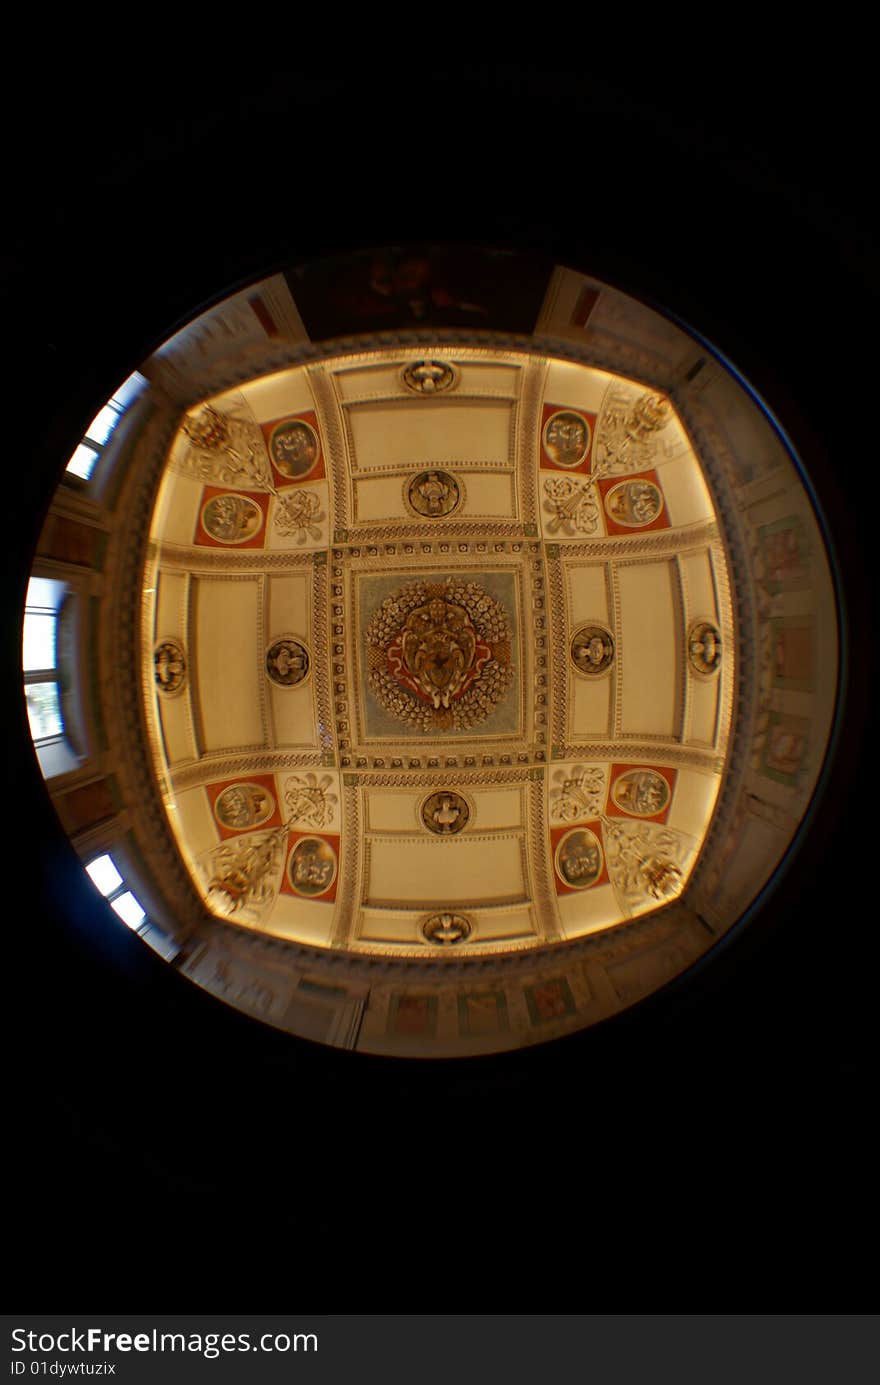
(438, 651)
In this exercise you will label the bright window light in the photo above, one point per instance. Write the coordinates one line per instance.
(45, 593)
(128, 909)
(104, 874)
(82, 463)
(129, 390)
(44, 710)
(38, 644)
(103, 423)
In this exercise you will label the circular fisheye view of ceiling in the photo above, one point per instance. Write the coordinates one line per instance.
(432, 651)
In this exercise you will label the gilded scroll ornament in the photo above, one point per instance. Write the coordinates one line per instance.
(309, 800)
(299, 512)
(579, 795)
(572, 505)
(627, 434)
(243, 872)
(226, 448)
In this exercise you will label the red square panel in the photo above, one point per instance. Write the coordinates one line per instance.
(578, 858)
(566, 438)
(633, 504)
(634, 789)
(311, 870)
(231, 519)
(295, 448)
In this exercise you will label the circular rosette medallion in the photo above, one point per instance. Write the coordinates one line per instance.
(311, 869)
(592, 649)
(579, 858)
(445, 813)
(244, 805)
(287, 663)
(634, 504)
(641, 792)
(433, 494)
(232, 518)
(169, 667)
(566, 438)
(439, 655)
(704, 647)
(445, 929)
(294, 448)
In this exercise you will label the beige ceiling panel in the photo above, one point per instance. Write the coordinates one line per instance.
(177, 511)
(693, 801)
(288, 607)
(392, 811)
(308, 921)
(474, 377)
(487, 496)
(437, 874)
(685, 492)
(365, 380)
(299, 518)
(391, 926)
(588, 911)
(293, 717)
(649, 649)
(575, 385)
(416, 433)
(492, 925)
(229, 655)
(171, 599)
(702, 713)
(273, 397)
(177, 729)
(698, 587)
(587, 594)
(380, 500)
(194, 820)
(498, 808)
(589, 704)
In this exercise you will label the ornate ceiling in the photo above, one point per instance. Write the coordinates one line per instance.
(439, 651)
(486, 644)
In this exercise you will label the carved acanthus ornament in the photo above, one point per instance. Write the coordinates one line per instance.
(226, 448)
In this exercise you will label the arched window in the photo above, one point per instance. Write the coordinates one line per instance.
(99, 431)
(42, 676)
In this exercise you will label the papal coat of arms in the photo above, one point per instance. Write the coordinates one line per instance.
(439, 655)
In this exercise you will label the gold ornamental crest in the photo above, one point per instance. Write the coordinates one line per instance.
(439, 655)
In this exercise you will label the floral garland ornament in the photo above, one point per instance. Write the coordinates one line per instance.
(439, 655)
